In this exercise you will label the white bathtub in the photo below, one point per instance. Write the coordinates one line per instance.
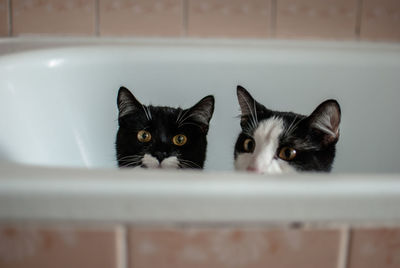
(59, 120)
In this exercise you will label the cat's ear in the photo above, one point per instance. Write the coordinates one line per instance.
(248, 105)
(127, 103)
(202, 112)
(325, 120)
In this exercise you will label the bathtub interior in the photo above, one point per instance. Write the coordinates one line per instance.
(58, 106)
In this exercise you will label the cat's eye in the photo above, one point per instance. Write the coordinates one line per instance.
(179, 140)
(287, 153)
(249, 145)
(144, 136)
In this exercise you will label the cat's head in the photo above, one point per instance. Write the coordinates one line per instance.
(161, 137)
(280, 142)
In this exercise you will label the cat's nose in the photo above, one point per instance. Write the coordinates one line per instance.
(160, 156)
(253, 169)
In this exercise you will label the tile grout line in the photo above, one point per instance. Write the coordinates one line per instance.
(9, 11)
(344, 246)
(273, 18)
(97, 18)
(358, 19)
(122, 247)
(185, 17)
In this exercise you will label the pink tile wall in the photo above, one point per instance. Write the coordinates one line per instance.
(61, 247)
(141, 17)
(232, 247)
(377, 20)
(229, 18)
(375, 248)
(27, 246)
(59, 17)
(4, 17)
(333, 19)
(380, 20)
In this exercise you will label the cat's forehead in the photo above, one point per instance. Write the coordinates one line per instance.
(165, 115)
(286, 117)
(288, 120)
(269, 130)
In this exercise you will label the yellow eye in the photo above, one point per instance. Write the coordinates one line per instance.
(287, 153)
(249, 145)
(144, 136)
(179, 140)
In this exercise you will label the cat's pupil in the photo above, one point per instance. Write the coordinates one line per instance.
(287, 152)
(251, 146)
(144, 136)
(179, 140)
(248, 145)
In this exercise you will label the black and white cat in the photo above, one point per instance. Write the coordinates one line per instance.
(280, 142)
(162, 137)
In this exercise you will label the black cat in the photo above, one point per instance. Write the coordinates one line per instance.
(162, 137)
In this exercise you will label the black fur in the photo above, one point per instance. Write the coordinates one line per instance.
(163, 126)
(315, 148)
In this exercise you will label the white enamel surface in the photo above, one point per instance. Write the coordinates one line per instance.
(153, 196)
(58, 104)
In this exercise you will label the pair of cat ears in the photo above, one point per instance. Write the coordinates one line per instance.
(325, 118)
(200, 113)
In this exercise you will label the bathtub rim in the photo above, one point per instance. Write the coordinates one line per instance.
(12, 45)
(17, 202)
(29, 193)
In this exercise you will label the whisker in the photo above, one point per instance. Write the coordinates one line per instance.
(149, 112)
(179, 116)
(255, 111)
(189, 163)
(295, 126)
(289, 128)
(145, 111)
(129, 160)
(130, 157)
(185, 165)
(132, 163)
